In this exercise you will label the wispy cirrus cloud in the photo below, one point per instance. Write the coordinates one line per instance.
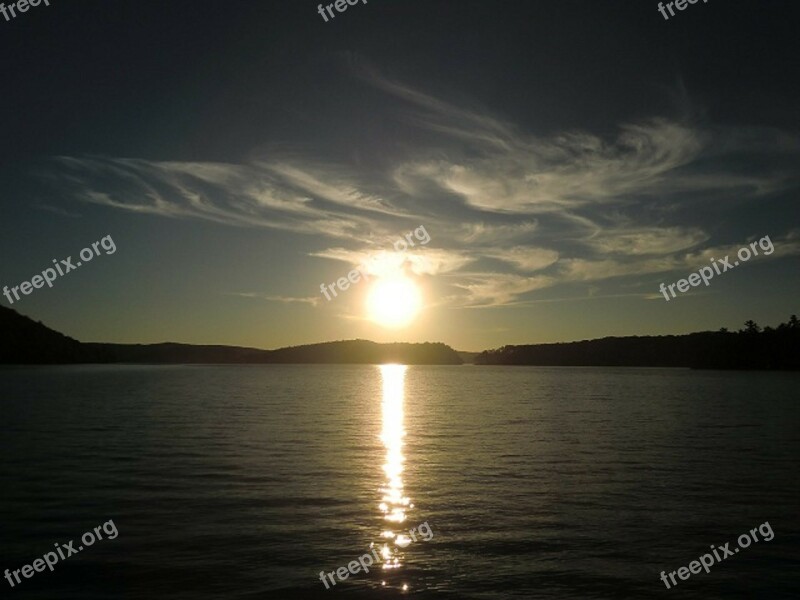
(524, 258)
(567, 172)
(544, 211)
(427, 261)
(647, 240)
(508, 171)
(486, 290)
(312, 300)
(275, 196)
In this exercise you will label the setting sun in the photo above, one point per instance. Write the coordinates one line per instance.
(394, 302)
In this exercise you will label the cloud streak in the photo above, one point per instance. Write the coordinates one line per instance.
(513, 213)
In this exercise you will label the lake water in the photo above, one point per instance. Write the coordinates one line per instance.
(244, 482)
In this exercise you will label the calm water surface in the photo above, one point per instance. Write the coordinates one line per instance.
(245, 482)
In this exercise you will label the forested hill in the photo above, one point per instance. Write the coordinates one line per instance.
(342, 352)
(749, 348)
(24, 341)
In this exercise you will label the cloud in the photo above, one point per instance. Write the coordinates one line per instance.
(489, 233)
(507, 171)
(524, 258)
(572, 207)
(426, 261)
(575, 171)
(651, 240)
(274, 196)
(58, 211)
(485, 290)
(577, 269)
(312, 300)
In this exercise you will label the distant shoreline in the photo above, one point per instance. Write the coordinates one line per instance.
(32, 343)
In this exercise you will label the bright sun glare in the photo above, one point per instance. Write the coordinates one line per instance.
(394, 302)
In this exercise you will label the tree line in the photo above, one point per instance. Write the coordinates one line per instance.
(751, 347)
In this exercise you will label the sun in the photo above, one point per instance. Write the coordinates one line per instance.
(394, 302)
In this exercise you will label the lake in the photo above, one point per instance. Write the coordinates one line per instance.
(244, 482)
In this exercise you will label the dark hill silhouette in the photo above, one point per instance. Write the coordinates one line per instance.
(750, 348)
(25, 341)
(342, 352)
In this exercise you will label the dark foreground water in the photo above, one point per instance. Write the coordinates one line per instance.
(245, 482)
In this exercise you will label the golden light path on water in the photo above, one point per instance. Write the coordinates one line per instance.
(394, 504)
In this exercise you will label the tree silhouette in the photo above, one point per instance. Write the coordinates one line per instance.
(748, 348)
(751, 327)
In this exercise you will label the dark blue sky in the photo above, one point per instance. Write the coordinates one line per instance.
(566, 158)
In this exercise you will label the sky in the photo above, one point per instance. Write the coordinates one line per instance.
(563, 159)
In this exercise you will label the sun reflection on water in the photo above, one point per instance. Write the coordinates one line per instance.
(394, 504)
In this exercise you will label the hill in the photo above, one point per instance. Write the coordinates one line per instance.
(25, 341)
(750, 348)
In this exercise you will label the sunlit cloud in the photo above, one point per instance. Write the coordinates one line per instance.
(312, 300)
(511, 213)
(427, 261)
(647, 240)
(488, 233)
(525, 258)
(255, 195)
(484, 290)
